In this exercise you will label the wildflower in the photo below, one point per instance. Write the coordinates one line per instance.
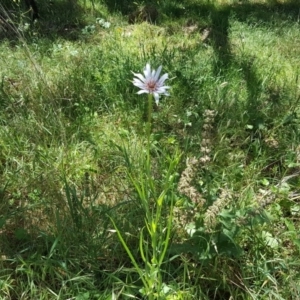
(151, 83)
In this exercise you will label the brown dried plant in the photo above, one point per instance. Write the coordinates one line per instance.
(185, 186)
(211, 215)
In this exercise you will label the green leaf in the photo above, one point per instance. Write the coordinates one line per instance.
(265, 182)
(2, 222)
(83, 296)
(21, 234)
(270, 240)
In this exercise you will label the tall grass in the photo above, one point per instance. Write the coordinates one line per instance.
(82, 180)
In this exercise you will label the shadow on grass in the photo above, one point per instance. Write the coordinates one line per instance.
(124, 6)
(244, 10)
(271, 14)
(220, 40)
(63, 19)
(57, 19)
(66, 18)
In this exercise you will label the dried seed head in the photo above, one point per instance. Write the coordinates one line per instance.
(207, 127)
(204, 159)
(209, 113)
(211, 215)
(205, 150)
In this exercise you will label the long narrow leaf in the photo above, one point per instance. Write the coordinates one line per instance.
(130, 254)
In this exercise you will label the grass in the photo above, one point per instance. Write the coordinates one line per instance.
(85, 215)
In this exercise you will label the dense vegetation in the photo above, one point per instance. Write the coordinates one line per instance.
(105, 195)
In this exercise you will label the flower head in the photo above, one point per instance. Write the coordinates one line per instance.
(151, 83)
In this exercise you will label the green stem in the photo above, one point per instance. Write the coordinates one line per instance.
(150, 107)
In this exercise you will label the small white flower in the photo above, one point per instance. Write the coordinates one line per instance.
(151, 83)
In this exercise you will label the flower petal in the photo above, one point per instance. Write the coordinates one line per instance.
(140, 76)
(165, 87)
(137, 81)
(140, 85)
(156, 97)
(162, 79)
(161, 91)
(142, 92)
(157, 73)
(147, 71)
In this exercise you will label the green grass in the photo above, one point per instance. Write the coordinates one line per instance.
(74, 172)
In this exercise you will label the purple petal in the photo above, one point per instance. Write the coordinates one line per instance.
(136, 81)
(140, 76)
(141, 86)
(142, 92)
(147, 71)
(153, 74)
(162, 79)
(161, 91)
(156, 97)
(157, 73)
(163, 88)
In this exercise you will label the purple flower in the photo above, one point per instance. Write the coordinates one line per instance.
(151, 83)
